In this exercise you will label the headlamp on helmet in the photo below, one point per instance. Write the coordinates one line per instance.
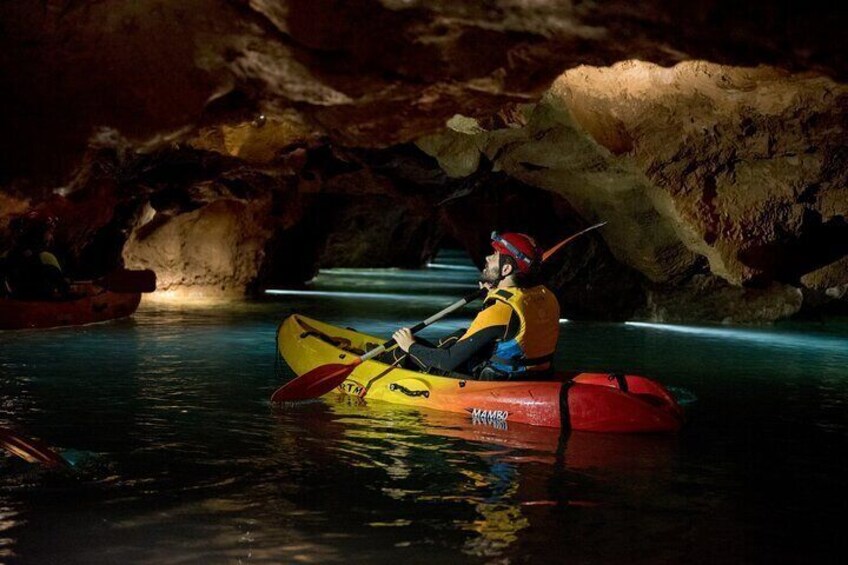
(522, 248)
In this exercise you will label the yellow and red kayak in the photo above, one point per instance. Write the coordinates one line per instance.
(586, 401)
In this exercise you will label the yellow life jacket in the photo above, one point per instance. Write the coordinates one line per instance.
(533, 347)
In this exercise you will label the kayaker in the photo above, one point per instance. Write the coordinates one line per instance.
(515, 334)
(32, 271)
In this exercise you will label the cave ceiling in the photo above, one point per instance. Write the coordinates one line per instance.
(362, 73)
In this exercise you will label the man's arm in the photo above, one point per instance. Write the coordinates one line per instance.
(491, 324)
(450, 358)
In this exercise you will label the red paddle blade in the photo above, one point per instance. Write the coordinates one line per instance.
(317, 382)
(30, 450)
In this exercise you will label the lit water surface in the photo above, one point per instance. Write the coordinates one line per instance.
(182, 459)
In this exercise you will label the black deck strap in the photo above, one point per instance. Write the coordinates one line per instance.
(562, 445)
(310, 330)
(621, 380)
(504, 294)
(564, 411)
(340, 342)
(407, 392)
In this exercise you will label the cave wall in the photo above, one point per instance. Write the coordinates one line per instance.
(741, 171)
(214, 251)
(239, 144)
(752, 160)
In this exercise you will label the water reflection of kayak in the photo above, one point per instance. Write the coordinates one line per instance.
(587, 402)
(522, 443)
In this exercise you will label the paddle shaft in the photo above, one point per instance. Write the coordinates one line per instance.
(421, 325)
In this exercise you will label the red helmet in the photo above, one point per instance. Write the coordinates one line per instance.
(519, 246)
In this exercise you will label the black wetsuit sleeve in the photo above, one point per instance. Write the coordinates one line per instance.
(450, 358)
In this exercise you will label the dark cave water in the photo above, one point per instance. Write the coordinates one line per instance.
(181, 458)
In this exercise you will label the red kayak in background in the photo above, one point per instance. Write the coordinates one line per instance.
(116, 295)
(95, 305)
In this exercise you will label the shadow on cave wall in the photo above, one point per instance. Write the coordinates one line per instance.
(790, 257)
(407, 208)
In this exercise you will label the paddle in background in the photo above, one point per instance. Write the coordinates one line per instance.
(321, 380)
(30, 450)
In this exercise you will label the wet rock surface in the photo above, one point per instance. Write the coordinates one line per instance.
(711, 299)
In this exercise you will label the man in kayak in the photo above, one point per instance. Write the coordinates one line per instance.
(515, 334)
(30, 270)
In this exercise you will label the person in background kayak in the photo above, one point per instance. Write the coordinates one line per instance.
(515, 334)
(30, 270)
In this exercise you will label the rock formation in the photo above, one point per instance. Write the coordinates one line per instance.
(744, 169)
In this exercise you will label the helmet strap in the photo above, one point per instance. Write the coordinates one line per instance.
(502, 260)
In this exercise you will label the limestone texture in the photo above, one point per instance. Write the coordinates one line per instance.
(739, 172)
(215, 250)
(366, 73)
(711, 299)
